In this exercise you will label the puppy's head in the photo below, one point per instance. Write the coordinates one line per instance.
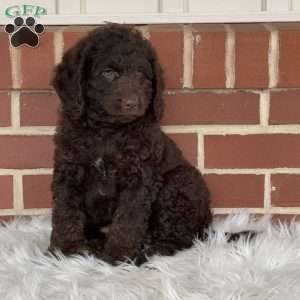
(110, 76)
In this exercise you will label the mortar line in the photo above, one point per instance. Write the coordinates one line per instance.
(25, 212)
(273, 55)
(188, 57)
(24, 130)
(28, 91)
(15, 110)
(241, 129)
(226, 91)
(264, 107)
(200, 152)
(267, 191)
(214, 129)
(58, 40)
(176, 91)
(18, 192)
(187, 90)
(273, 210)
(15, 62)
(230, 57)
(40, 171)
(257, 171)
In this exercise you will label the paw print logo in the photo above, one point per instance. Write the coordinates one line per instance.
(24, 32)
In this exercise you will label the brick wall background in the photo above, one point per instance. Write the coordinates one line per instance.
(232, 105)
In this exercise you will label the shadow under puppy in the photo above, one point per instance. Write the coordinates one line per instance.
(113, 164)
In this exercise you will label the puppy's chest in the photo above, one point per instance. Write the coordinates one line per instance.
(120, 153)
(101, 189)
(113, 161)
(109, 172)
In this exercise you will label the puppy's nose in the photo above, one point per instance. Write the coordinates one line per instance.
(129, 103)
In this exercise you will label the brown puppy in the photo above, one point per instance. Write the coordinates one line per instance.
(113, 164)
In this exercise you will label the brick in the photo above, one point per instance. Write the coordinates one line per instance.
(39, 109)
(5, 109)
(209, 56)
(26, 152)
(168, 42)
(5, 74)
(37, 63)
(285, 190)
(211, 108)
(6, 192)
(37, 191)
(285, 107)
(71, 38)
(289, 58)
(252, 151)
(251, 56)
(187, 143)
(236, 190)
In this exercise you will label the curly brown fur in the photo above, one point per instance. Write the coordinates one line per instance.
(113, 164)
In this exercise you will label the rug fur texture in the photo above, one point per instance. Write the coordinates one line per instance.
(265, 268)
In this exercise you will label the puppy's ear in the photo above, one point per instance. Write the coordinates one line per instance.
(69, 81)
(158, 87)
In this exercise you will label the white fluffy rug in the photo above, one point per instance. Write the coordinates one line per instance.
(268, 267)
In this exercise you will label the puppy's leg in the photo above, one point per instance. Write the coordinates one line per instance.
(129, 225)
(68, 219)
(67, 231)
(180, 213)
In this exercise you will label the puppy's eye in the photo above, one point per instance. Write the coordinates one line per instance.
(110, 74)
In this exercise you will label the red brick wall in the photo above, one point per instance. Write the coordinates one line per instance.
(232, 105)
